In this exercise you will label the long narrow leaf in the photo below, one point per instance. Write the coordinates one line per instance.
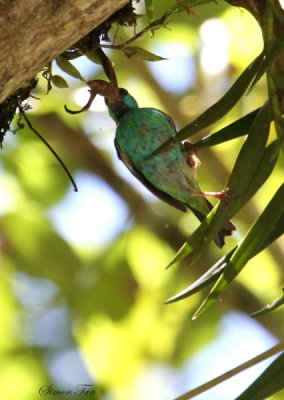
(236, 129)
(222, 106)
(206, 279)
(257, 235)
(194, 242)
(217, 110)
(277, 231)
(270, 307)
(265, 168)
(244, 171)
(217, 269)
(268, 383)
(251, 153)
(248, 248)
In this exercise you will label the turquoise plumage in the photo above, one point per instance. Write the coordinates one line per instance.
(169, 174)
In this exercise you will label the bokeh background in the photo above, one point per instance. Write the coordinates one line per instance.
(82, 274)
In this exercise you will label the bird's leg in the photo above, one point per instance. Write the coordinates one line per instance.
(194, 162)
(225, 194)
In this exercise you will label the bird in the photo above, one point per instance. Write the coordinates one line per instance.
(169, 173)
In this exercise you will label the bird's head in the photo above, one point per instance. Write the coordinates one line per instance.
(119, 104)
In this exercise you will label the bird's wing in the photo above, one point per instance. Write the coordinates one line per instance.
(158, 193)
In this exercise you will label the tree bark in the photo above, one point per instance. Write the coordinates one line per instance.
(33, 32)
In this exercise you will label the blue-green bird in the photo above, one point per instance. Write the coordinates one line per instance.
(170, 173)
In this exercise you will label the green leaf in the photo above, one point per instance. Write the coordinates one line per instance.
(270, 307)
(222, 106)
(206, 279)
(138, 52)
(69, 68)
(236, 129)
(265, 168)
(217, 110)
(268, 383)
(194, 242)
(246, 171)
(217, 269)
(249, 246)
(276, 232)
(250, 155)
(59, 82)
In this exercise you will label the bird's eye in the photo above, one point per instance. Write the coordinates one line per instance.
(123, 92)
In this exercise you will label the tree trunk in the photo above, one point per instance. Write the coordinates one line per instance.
(33, 32)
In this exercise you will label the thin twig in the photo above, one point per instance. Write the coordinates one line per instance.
(229, 374)
(153, 25)
(22, 112)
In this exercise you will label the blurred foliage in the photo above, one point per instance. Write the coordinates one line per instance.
(94, 314)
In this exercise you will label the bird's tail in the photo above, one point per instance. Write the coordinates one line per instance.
(227, 229)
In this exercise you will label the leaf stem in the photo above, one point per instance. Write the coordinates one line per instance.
(157, 23)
